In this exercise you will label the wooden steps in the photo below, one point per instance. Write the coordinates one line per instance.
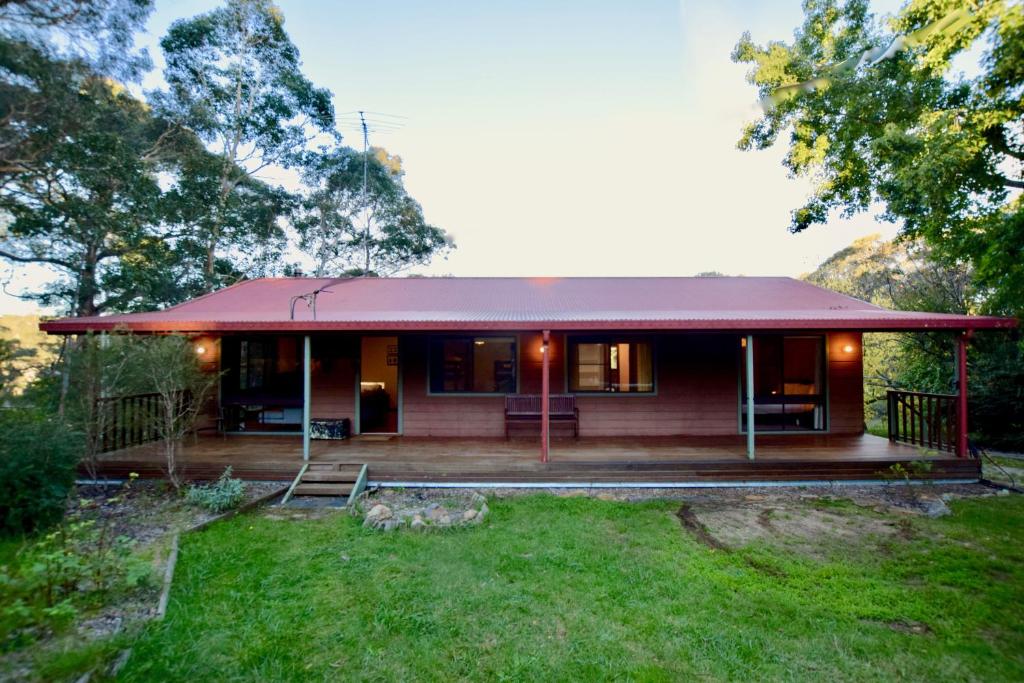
(334, 489)
(326, 478)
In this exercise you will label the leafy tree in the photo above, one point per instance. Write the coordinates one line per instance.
(251, 241)
(905, 275)
(347, 230)
(168, 366)
(941, 151)
(96, 35)
(234, 79)
(88, 204)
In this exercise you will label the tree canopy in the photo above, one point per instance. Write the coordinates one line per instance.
(134, 201)
(234, 78)
(379, 231)
(941, 151)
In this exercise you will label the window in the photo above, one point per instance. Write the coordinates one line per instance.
(475, 365)
(611, 365)
(788, 383)
(269, 364)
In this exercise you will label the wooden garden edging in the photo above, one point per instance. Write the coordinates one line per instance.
(172, 559)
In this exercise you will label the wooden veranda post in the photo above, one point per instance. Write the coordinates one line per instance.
(307, 361)
(545, 398)
(961, 387)
(750, 396)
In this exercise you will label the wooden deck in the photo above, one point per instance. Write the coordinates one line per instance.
(580, 461)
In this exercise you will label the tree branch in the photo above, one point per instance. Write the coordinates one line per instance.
(35, 259)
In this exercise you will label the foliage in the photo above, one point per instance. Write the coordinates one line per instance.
(97, 367)
(138, 203)
(582, 589)
(54, 576)
(234, 78)
(346, 230)
(87, 202)
(38, 459)
(26, 353)
(905, 275)
(100, 33)
(224, 494)
(169, 367)
(941, 151)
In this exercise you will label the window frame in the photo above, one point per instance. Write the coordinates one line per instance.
(516, 354)
(628, 338)
(825, 386)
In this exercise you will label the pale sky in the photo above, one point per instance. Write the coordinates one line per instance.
(579, 137)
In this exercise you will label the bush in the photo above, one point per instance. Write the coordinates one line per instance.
(224, 494)
(38, 459)
(77, 565)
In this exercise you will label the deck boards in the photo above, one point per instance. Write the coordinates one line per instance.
(597, 460)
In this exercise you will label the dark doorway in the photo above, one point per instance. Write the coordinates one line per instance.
(378, 386)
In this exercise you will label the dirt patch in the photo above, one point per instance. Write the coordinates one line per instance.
(146, 511)
(695, 527)
(916, 628)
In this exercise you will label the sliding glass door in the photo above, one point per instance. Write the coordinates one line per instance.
(789, 383)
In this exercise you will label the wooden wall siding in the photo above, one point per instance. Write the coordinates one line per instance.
(445, 415)
(333, 377)
(846, 383)
(696, 389)
(695, 393)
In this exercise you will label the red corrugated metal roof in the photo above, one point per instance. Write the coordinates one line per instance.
(691, 303)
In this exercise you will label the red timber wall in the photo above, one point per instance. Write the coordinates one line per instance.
(696, 379)
(333, 376)
(697, 391)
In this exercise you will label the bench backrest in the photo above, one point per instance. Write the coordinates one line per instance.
(530, 404)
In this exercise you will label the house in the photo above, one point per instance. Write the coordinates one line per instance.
(652, 375)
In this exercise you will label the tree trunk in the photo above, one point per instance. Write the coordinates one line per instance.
(85, 300)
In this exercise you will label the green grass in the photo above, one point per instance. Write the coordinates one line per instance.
(581, 589)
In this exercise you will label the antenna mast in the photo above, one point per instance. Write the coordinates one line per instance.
(366, 208)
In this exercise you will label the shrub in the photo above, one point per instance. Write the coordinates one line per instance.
(38, 459)
(76, 565)
(224, 494)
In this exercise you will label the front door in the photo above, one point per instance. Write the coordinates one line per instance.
(378, 386)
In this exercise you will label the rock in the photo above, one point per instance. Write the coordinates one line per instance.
(417, 524)
(468, 515)
(377, 515)
(390, 524)
(345, 558)
(477, 500)
(574, 493)
(935, 508)
(1003, 492)
(482, 511)
(754, 496)
(606, 496)
(436, 513)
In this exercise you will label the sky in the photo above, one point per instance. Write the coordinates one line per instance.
(580, 137)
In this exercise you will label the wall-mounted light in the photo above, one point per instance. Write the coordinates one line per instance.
(200, 350)
(848, 348)
(743, 342)
(544, 347)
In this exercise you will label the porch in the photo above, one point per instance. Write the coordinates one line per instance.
(675, 460)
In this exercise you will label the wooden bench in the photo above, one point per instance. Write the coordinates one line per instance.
(527, 408)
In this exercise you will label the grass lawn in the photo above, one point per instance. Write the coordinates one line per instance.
(582, 589)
